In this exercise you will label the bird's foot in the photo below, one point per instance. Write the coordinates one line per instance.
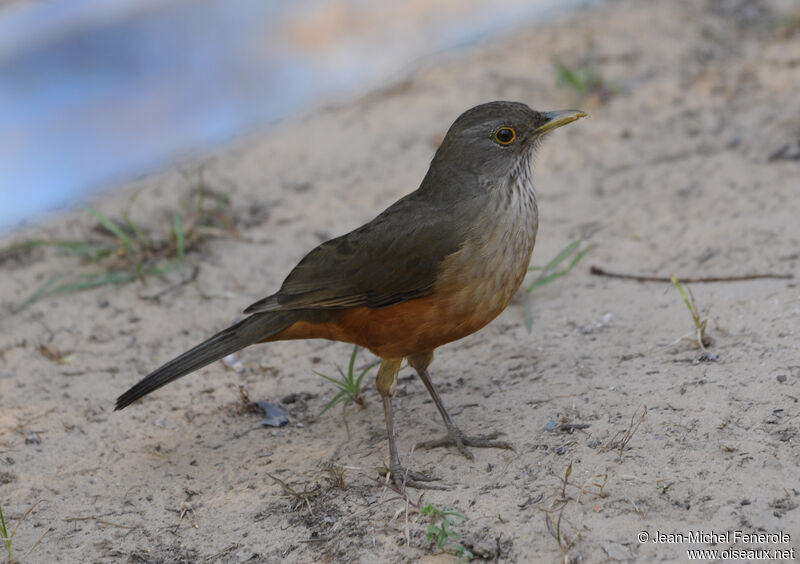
(455, 437)
(403, 478)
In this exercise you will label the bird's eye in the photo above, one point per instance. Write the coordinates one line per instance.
(505, 135)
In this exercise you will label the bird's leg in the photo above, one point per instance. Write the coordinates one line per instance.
(387, 385)
(454, 436)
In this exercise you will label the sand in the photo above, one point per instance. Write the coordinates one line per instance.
(689, 164)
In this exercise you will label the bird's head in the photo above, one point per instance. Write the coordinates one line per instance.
(491, 140)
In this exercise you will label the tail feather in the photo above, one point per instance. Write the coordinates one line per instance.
(251, 330)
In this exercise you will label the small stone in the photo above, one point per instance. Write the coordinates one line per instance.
(274, 415)
(232, 362)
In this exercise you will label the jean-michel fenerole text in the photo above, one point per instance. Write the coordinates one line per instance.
(725, 537)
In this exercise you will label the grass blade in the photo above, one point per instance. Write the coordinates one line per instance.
(137, 231)
(679, 286)
(75, 247)
(528, 311)
(42, 291)
(340, 397)
(549, 272)
(561, 256)
(4, 534)
(89, 282)
(363, 373)
(180, 236)
(333, 381)
(699, 324)
(111, 226)
(367, 368)
(352, 360)
(349, 383)
(569, 77)
(127, 252)
(93, 282)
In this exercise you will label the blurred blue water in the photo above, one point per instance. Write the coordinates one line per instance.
(93, 92)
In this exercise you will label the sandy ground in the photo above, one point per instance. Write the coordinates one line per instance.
(689, 165)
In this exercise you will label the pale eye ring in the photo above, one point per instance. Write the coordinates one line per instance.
(505, 135)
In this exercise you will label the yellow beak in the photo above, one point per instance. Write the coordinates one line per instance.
(557, 119)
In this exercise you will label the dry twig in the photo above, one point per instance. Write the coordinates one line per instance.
(597, 271)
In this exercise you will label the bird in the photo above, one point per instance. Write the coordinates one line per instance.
(434, 267)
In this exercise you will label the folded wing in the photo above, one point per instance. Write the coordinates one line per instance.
(391, 259)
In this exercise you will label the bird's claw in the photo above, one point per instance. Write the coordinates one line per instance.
(455, 437)
(403, 478)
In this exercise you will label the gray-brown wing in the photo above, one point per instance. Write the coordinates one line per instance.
(389, 260)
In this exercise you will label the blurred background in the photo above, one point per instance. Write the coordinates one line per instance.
(98, 92)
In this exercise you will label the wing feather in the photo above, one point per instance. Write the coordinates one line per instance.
(391, 259)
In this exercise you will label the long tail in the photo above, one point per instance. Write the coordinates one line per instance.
(251, 330)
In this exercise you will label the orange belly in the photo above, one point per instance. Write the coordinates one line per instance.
(409, 328)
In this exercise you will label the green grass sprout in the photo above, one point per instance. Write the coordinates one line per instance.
(106, 222)
(349, 385)
(180, 236)
(582, 79)
(8, 538)
(119, 251)
(583, 76)
(552, 271)
(441, 530)
(703, 340)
